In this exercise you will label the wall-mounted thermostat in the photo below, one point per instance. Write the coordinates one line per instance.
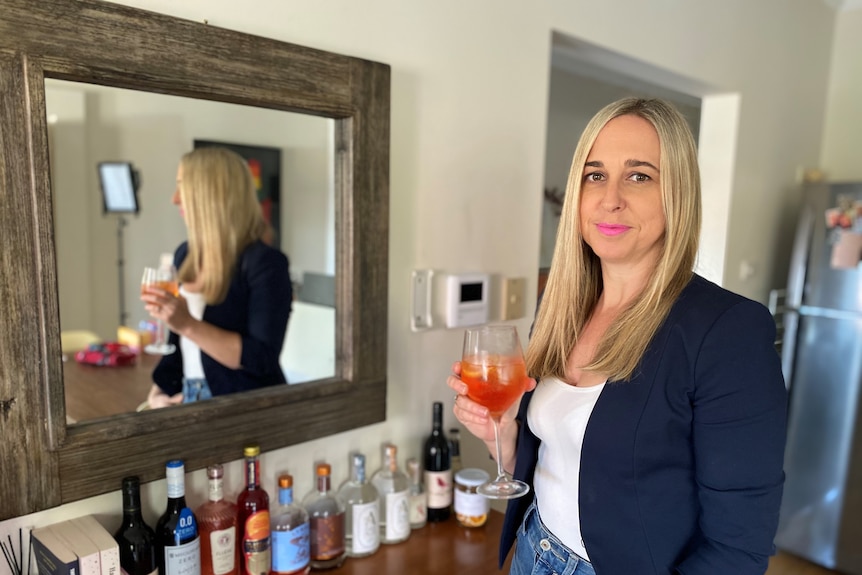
(466, 299)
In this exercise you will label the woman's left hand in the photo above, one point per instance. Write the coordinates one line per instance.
(164, 306)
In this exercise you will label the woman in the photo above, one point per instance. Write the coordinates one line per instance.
(230, 318)
(654, 439)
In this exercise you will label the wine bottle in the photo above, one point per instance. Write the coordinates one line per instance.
(253, 519)
(417, 496)
(326, 517)
(217, 522)
(391, 483)
(438, 469)
(136, 539)
(178, 546)
(362, 509)
(290, 533)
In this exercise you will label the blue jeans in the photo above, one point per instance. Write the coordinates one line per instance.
(195, 390)
(539, 552)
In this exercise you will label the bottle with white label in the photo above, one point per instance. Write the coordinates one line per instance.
(178, 546)
(393, 487)
(362, 508)
(217, 523)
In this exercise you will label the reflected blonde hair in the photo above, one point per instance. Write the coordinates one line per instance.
(575, 280)
(223, 217)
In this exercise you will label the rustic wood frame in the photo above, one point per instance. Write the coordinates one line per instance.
(44, 463)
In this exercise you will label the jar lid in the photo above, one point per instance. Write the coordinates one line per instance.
(472, 477)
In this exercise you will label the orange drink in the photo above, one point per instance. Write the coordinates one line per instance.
(494, 381)
(172, 287)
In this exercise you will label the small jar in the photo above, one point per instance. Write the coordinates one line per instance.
(471, 508)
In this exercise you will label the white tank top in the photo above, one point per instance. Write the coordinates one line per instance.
(558, 415)
(192, 366)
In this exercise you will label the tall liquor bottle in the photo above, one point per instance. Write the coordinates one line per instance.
(438, 469)
(136, 539)
(253, 519)
(362, 509)
(392, 485)
(455, 449)
(217, 522)
(178, 546)
(326, 516)
(290, 533)
(418, 498)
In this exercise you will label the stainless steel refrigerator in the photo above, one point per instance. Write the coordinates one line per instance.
(821, 351)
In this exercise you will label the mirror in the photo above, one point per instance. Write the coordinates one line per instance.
(100, 255)
(45, 462)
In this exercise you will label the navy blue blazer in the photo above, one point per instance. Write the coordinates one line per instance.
(257, 306)
(681, 469)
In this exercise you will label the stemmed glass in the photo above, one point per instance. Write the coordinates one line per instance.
(493, 368)
(163, 278)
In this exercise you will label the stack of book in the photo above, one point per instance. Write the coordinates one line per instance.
(79, 546)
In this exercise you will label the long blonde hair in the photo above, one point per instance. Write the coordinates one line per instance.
(575, 280)
(223, 217)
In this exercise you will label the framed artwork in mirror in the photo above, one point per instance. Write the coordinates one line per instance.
(265, 165)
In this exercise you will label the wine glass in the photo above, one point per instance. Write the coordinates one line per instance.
(164, 278)
(493, 368)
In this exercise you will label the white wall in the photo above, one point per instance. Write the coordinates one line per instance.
(841, 156)
(469, 107)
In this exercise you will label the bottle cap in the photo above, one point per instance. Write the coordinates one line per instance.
(471, 477)
(174, 464)
(251, 451)
(285, 481)
(358, 460)
(131, 483)
(323, 469)
(215, 471)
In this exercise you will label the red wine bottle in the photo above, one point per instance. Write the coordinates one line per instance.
(136, 539)
(438, 469)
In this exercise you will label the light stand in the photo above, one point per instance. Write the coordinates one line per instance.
(121, 223)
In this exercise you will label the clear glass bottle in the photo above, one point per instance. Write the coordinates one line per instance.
(178, 545)
(438, 469)
(418, 499)
(290, 533)
(217, 522)
(136, 539)
(326, 517)
(253, 519)
(362, 510)
(392, 485)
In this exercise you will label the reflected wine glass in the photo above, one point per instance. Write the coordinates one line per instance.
(493, 368)
(163, 278)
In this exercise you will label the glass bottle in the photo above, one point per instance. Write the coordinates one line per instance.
(136, 539)
(455, 449)
(290, 532)
(326, 516)
(217, 522)
(253, 519)
(438, 469)
(178, 546)
(418, 499)
(362, 510)
(391, 483)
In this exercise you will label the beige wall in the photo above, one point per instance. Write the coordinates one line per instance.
(469, 110)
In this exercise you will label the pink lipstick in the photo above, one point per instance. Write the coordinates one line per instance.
(612, 229)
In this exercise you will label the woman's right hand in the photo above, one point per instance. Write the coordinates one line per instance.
(158, 398)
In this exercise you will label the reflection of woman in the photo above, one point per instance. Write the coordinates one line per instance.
(654, 439)
(230, 319)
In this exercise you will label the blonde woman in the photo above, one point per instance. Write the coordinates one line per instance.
(230, 318)
(654, 438)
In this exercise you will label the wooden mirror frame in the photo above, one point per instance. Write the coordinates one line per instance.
(43, 462)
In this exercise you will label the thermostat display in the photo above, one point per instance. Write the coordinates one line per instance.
(466, 300)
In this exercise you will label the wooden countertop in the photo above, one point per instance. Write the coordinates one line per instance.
(99, 391)
(444, 547)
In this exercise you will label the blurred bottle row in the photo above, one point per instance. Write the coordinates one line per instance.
(221, 537)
